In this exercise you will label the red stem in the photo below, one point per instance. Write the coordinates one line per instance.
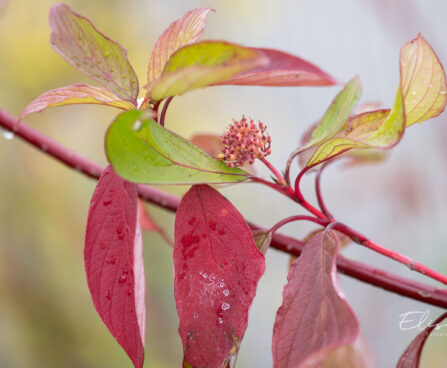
(391, 282)
(320, 199)
(290, 219)
(414, 266)
(275, 172)
(164, 110)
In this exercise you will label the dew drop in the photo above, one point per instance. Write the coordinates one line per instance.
(205, 275)
(200, 273)
(136, 126)
(195, 315)
(220, 320)
(222, 284)
(212, 277)
(225, 306)
(7, 134)
(226, 292)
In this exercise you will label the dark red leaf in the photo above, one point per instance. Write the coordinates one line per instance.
(114, 263)
(283, 70)
(314, 318)
(217, 268)
(410, 358)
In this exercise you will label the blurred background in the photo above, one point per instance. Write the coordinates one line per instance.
(46, 316)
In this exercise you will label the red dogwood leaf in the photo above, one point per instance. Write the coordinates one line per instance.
(410, 358)
(182, 32)
(314, 318)
(283, 69)
(114, 262)
(217, 268)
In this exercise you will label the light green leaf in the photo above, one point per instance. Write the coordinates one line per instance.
(182, 32)
(142, 151)
(338, 112)
(75, 94)
(421, 95)
(202, 64)
(77, 40)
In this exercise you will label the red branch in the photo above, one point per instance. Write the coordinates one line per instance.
(363, 272)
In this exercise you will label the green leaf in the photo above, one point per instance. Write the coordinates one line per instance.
(142, 151)
(77, 40)
(203, 64)
(182, 32)
(338, 112)
(421, 95)
(75, 94)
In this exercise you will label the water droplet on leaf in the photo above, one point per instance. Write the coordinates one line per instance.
(220, 320)
(225, 306)
(226, 292)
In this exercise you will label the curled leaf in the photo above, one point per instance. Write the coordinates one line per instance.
(203, 64)
(75, 94)
(142, 151)
(114, 262)
(182, 32)
(314, 318)
(77, 40)
(216, 271)
(282, 69)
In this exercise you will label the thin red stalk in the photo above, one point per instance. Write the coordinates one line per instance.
(320, 199)
(164, 110)
(363, 272)
(275, 172)
(415, 266)
(290, 219)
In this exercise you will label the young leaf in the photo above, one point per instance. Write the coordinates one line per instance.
(216, 270)
(77, 40)
(114, 263)
(423, 81)
(338, 112)
(182, 32)
(75, 94)
(142, 151)
(314, 319)
(410, 358)
(415, 102)
(210, 143)
(203, 64)
(282, 69)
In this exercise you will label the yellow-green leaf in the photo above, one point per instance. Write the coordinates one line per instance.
(75, 94)
(423, 81)
(77, 40)
(142, 151)
(182, 32)
(202, 64)
(421, 95)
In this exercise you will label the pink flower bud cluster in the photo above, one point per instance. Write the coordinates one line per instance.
(243, 142)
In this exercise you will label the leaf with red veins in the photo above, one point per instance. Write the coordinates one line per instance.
(217, 268)
(114, 262)
(77, 40)
(182, 32)
(283, 69)
(314, 318)
(412, 355)
(423, 81)
(75, 94)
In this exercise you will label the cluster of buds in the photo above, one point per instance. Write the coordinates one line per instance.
(243, 142)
